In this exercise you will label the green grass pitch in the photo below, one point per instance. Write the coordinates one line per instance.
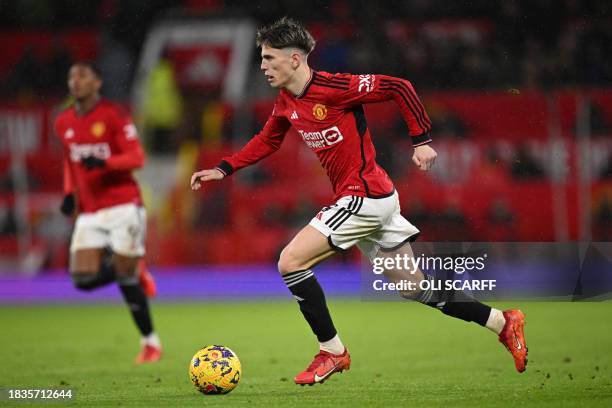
(402, 355)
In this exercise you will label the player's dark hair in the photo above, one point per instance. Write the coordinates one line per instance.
(285, 33)
(91, 65)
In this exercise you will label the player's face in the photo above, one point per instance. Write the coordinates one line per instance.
(277, 65)
(83, 82)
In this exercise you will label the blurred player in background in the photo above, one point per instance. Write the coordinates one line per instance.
(101, 149)
(327, 112)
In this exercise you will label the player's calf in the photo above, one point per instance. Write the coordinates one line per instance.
(139, 307)
(311, 300)
(138, 304)
(455, 303)
(303, 251)
(307, 249)
(461, 305)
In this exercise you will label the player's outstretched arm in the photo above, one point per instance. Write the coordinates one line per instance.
(202, 176)
(424, 157)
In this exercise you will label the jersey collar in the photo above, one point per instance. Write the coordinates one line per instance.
(87, 112)
(313, 74)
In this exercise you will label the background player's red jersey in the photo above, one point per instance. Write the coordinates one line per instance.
(330, 119)
(106, 132)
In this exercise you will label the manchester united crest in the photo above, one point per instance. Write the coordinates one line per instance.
(319, 111)
(97, 129)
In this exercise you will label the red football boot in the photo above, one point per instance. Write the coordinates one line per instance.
(147, 283)
(149, 354)
(323, 366)
(513, 337)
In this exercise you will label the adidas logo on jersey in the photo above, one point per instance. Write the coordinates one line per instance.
(294, 115)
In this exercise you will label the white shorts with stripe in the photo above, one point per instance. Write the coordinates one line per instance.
(369, 223)
(121, 227)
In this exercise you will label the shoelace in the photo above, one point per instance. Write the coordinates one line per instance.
(318, 359)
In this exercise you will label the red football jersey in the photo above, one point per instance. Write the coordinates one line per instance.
(329, 117)
(106, 132)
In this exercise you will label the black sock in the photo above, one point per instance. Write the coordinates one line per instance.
(455, 303)
(91, 281)
(311, 299)
(138, 304)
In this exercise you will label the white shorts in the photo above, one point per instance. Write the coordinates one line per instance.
(121, 227)
(371, 223)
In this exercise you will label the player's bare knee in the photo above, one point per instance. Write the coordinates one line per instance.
(288, 262)
(410, 281)
(415, 291)
(83, 280)
(285, 264)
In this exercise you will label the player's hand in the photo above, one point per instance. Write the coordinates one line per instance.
(93, 162)
(424, 157)
(68, 205)
(202, 176)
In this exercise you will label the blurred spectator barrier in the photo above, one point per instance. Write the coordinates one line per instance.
(511, 167)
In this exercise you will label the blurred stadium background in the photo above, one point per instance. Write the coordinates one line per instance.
(520, 95)
(518, 91)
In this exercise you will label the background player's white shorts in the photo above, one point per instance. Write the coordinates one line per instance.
(371, 223)
(121, 227)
